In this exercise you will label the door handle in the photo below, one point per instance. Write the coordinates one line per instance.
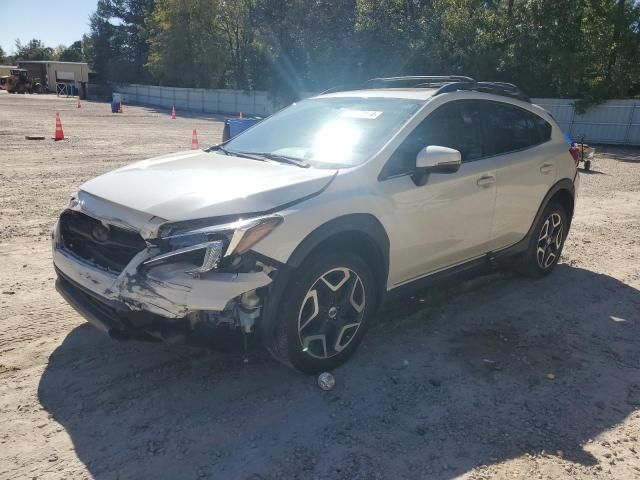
(486, 181)
(546, 168)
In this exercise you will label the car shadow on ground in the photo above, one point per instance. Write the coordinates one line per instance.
(448, 381)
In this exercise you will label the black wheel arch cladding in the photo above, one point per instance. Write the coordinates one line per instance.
(361, 233)
(563, 192)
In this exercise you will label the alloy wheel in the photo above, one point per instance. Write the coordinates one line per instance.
(331, 313)
(550, 241)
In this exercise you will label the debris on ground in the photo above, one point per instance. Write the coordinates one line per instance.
(326, 381)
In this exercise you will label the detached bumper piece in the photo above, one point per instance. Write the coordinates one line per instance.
(115, 318)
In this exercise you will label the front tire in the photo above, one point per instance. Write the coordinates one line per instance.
(547, 241)
(327, 307)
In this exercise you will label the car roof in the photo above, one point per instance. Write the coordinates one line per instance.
(422, 94)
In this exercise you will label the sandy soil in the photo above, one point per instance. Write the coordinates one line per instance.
(500, 377)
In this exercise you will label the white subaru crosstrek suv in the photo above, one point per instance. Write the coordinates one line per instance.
(297, 229)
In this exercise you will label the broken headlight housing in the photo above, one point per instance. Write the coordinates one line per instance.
(206, 248)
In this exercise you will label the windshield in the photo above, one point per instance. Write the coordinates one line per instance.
(327, 132)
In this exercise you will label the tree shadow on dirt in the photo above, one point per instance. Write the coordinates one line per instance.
(450, 381)
(591, 172)
(621, 154)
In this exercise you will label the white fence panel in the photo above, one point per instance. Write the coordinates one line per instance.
(615, 122)
(227, 101)
(201, 100)
(211, 101)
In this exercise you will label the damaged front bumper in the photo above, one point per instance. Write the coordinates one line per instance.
(139, 297)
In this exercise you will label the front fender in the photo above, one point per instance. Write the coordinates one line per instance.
(351, 224)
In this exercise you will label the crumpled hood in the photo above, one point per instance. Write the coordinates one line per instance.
(190, 185)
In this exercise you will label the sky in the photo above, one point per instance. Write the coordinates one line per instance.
(54, 22)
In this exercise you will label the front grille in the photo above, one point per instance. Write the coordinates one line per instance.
(111, 248)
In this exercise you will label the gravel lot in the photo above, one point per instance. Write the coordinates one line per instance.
(499, 377)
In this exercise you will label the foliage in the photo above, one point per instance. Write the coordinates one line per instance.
(72, 53)
(117, 47)
(187, 49)
(34, 49)
(586, 49)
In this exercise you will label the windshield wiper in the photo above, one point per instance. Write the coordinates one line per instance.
(250, 155)
(262, 156)
(280, 158)
(214, 148)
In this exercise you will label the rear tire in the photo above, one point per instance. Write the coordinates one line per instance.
(327, 307)
(546, 242)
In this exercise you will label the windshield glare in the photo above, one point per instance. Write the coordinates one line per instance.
(327, 132)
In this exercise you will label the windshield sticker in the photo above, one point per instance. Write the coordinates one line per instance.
(365, 114)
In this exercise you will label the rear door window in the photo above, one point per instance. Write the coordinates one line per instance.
(509, 128)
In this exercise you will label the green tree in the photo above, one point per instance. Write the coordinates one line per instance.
(186, 46)
(72, 53)
(305, 46)
(235, 21)
(117, 46)
(587, 49)
(33, 50)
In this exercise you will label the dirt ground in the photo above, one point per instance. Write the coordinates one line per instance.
(498, 377)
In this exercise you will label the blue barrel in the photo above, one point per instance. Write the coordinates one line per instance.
(234, 126)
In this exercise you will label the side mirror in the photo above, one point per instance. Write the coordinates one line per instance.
(435, 159)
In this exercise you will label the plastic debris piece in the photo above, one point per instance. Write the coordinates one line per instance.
(326, 381)
(551, 376)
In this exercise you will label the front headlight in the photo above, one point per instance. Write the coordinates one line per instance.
(206, 247)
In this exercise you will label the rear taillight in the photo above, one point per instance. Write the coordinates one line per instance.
(575, 153)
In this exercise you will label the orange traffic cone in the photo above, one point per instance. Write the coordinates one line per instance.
(78, 106)
(121, 110)
(59, 135)
(173, 112)
(194, 140)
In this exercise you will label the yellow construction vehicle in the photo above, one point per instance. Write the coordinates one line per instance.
(20, 81)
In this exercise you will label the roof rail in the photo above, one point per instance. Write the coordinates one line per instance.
(416, 81)
(496, 88)
(449, 83)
